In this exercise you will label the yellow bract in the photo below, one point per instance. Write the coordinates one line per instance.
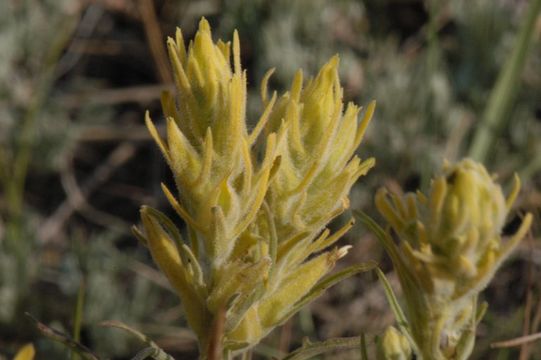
(255, 203)
(450, 247)
(27, 352)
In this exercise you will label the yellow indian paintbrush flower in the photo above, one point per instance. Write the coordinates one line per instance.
(254, 216)
(450, 247)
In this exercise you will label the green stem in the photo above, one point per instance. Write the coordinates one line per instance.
(430, 346)
(78, 317)
(504, 92)
(434, 10)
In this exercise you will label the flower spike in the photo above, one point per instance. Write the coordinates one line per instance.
(255, 203)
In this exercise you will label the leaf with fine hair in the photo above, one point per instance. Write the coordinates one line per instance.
(152, 349)
(308, 350)
(58, 336)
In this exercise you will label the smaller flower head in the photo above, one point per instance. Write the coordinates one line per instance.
(393, 346)
(455, 234)
(450, 246)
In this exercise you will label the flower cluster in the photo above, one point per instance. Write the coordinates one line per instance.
(450, 247)
(255, 203)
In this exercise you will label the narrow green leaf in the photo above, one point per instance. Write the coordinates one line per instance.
(381, 235)
(309, 350)
(120, 325)
(393, 301)
(401, 319)
(78, 317)
(139, 235)
(401, 269)
(157, 353)
(62, 338)
(153, 353)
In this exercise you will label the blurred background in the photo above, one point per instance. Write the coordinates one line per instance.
(451, 78)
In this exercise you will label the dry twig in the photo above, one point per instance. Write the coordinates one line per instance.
(51, 228)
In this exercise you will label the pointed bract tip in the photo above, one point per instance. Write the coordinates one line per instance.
(178, 34)
(371, 107)
(330, 67)
(335, 60)
(148, 120)
(343, 251)
(144, 212)
(236, 53)
(204, 25)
